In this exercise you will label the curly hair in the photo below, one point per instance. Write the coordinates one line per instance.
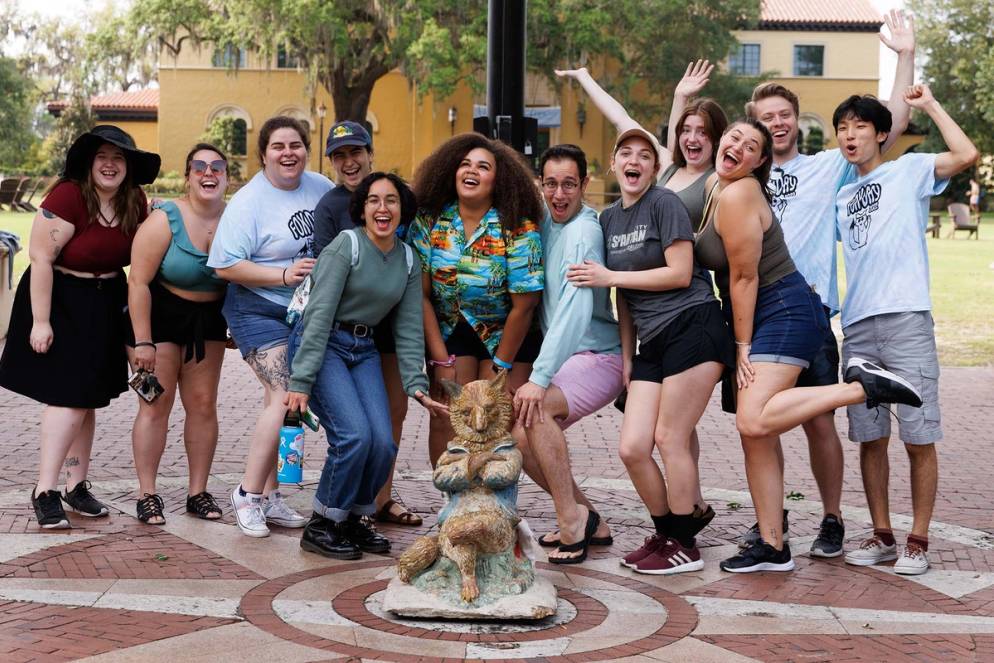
(515, 195)
(408, 203)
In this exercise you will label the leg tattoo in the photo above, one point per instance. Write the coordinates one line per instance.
(270, 367)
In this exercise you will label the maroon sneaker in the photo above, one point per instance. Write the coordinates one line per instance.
(652, 543)
(671, 558)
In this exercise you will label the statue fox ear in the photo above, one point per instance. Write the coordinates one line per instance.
(453, 389)
(500, 382)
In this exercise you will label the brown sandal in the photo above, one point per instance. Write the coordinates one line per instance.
(385, 515)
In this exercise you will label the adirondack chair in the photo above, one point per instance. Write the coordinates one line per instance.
(959, 214)
(28, 185)
(8, 191)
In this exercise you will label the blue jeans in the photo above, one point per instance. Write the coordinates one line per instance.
(351, 401)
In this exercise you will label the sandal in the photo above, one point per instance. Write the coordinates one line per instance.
(148, 507)
(608, 540)
(203, 506)
(581, 546)
(385, 515)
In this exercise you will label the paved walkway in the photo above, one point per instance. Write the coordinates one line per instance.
(116, 590)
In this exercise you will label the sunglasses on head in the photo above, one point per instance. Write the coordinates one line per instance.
(199, 166)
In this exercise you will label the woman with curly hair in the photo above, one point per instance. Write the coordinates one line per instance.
(481, 256)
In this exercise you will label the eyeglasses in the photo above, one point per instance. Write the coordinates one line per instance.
(569, 186)
(199, 167)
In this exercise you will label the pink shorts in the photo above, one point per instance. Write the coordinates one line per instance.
(589, 381)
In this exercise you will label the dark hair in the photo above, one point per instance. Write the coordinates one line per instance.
(562, 152)
(715, 122)
(864, 107)
(762, 171)
(408, 203)
(281, 122)
(767, 90)
(515, 195)
(197, 148)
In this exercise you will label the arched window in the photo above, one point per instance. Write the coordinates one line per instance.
(241, 125)
(298, 114)
(812, 138)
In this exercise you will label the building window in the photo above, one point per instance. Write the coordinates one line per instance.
(229, 57)
(809, 60)
(744, 61)
(239, 138)
(286, 60)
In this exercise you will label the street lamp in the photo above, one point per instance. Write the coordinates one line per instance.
(322, 111)
(581, 117)
(452, 120)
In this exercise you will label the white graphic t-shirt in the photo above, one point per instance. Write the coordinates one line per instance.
(803, 191)
(268, 226)
(881, 220)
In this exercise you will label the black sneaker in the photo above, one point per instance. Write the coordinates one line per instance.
(362, 532)
(48, 509)
(83, 502)
(324, 537)
(831, 534)
(880, 385)
(759, 557)
(752, 534)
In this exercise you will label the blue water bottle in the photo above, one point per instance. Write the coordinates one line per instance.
(290, 462)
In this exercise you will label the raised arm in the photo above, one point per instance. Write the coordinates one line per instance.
(147, 251)
(902, 42)
(962, 152)
(694, 79)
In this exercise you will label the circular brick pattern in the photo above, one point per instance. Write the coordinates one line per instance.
(257, 607)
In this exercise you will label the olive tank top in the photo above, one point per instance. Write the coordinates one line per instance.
(774, 261)
(692, 196)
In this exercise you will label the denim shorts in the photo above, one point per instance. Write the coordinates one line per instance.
(254, 322)
(790, 324)
(824, 368)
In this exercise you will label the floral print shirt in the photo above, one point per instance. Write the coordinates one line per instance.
(475, 277)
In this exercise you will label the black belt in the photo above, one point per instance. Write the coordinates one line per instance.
(359, 330)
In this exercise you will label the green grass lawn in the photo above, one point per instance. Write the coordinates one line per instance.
(962, 290)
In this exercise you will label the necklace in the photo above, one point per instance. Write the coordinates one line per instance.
(107, 222)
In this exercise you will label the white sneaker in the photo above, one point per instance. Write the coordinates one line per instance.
(248, 513)
(870, 552)
(913, 561)
(278, 512)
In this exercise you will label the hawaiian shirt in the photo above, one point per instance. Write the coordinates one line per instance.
(475, 278)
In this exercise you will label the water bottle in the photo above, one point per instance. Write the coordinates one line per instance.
(290, 462)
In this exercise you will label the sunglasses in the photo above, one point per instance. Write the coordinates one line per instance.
(199, 167)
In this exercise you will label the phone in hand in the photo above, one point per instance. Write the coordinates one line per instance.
(146, 385)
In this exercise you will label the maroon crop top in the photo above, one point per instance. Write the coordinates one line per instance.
(94, 247)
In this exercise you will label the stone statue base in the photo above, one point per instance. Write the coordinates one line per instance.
(537, 602)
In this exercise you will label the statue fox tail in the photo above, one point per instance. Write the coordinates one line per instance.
(422, 554)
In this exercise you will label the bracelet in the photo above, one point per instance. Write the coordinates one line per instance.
(743, 342)
(145, 344)
(284, 277)
(502, 364)
(448, 363)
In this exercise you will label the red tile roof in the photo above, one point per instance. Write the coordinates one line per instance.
(136, 100)
(819, 14)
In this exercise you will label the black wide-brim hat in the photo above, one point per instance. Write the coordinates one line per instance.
(143, 166)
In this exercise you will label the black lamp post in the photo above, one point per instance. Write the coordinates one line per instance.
(452, 120)
(322, 111)
(581, 117)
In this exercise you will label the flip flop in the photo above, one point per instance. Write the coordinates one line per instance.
(593, 520)
(385, 515)
(594, 540)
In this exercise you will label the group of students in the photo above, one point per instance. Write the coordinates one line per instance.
(473, 270)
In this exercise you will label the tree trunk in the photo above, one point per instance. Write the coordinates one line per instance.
(351, 92)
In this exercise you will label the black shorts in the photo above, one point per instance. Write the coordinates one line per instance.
(383, 335)
(86, 365)
(824, 368)
(463, 342)
(183, 322)
(696, 336)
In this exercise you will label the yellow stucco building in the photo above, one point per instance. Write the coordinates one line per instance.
(823, 51)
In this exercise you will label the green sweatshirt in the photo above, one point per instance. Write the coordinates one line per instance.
(363, 294)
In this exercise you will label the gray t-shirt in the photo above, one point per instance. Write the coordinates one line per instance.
(635, 239)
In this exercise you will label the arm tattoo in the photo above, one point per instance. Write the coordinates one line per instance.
(270, 366)
(54, 234)
(45, 213)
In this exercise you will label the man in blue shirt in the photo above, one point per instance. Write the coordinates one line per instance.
(579, 368)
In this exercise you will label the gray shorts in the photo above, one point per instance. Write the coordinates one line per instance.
(903, 343)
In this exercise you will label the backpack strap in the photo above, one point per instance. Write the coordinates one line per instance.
(409, 255)
(355, 245)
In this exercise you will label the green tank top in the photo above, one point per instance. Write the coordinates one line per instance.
(692, 196)
(184, 265)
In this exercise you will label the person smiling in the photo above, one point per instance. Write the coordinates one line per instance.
(667, 299)
(360, 278)
(779, 326)
(177, 331)
(261, 249)
(481, 256)
(65, 346)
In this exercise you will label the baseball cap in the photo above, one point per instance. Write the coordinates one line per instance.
(641, 133)
(347, 133)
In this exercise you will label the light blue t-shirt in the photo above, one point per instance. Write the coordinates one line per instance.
(573, 319)
(881, 219)
(803, 192)
(268, 226)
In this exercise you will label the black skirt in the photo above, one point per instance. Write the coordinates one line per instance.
(186, 323)
(86, 365)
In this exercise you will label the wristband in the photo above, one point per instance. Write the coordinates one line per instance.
(448, 363)
(284, 277)
(145, 344)
(502, 364)
(743, 342)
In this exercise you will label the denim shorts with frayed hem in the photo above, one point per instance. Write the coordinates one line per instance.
(254, 322)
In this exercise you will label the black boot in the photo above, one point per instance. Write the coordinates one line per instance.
(362, 532)
(324, 537)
